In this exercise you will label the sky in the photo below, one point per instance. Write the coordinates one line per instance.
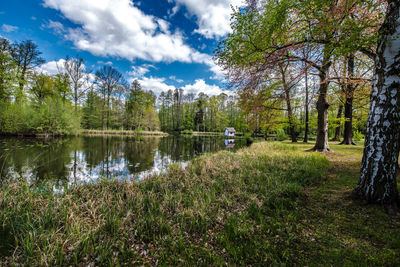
(165, 44)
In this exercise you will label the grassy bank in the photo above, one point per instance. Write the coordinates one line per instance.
(268, 204)
(208, 133)
(122, 132)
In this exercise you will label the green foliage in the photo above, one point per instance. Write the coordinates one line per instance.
(8, 73)
(203, 113)
(249, 138)
(358, 136)
(140, 109)
(50, 116)
(187, 132)
(281, 135)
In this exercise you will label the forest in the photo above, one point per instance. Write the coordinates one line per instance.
(275, 100)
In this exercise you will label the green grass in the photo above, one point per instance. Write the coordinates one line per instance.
(271, 204)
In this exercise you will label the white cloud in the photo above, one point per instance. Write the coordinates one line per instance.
(173, 78)
(213, 16)
(56, 26)
(218, 73)
(9, 28)
(51, 67)
(118, 28)
(140, 71)
(201, 86)
(56, 67)
(100, 62)
(158, 85)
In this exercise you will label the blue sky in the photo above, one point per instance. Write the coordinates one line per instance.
(165, 44)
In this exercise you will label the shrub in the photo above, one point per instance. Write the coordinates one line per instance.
(281, 135)
(50, 116)
(188, 132)
(357, 136)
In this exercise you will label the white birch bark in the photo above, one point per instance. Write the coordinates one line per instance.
(377, 182)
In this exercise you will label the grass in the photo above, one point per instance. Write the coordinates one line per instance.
(122, 132)
(270, 204)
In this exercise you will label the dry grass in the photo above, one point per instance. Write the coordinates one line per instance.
(122, 132)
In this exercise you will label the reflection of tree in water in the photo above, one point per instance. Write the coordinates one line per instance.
(83, 159)
(183, 148)
(140, 153)
(35, 159)
(111, 156)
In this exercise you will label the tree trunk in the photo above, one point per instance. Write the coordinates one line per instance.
(348, 106)
(377, 182)
(338, 128)
(321, 143)
(305, 140)
(108, 111)
(103, 113)
(291, 118)
(348, 125)
(286, 88)
(76, 99)
(20, 89)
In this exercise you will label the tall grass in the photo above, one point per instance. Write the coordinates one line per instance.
(225, 208)
(122, 132)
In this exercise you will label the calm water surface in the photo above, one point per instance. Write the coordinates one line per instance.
(75, 160)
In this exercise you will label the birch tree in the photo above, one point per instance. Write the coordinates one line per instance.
(377, 183)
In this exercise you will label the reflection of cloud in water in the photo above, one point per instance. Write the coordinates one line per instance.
(79, 160)
(80, 171)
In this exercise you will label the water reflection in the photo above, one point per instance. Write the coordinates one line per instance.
(75, 160)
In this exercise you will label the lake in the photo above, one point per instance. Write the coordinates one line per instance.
(74, 160)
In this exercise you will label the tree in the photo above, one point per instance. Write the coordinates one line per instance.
(7, 70)
(27, 56)
(140, 109)
(108, 80)
(92, 111)
(42, 87)
(75, 69)
(62, 86)
(377, 183)
(268, 32)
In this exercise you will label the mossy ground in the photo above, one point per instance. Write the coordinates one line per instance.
(271, 203)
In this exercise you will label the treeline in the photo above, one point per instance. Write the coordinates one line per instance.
(31, 102)
(34, 102)
(181, 112)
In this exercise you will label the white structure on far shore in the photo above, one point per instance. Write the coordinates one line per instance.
(229, 131)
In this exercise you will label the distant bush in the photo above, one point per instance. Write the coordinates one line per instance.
(249, 138)
(281, 135)
(189, 132)
(139, 130)
(357, 136)
(50, 116)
